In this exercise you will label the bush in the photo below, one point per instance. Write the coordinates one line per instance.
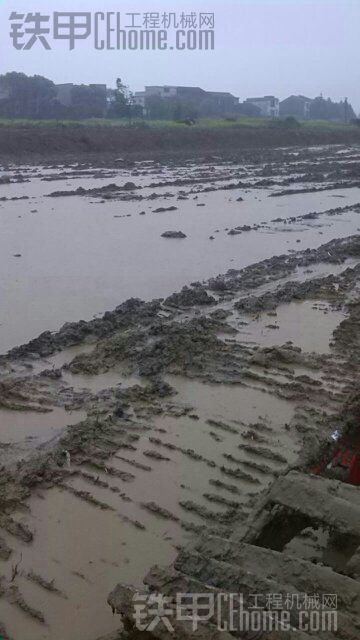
(286, 123)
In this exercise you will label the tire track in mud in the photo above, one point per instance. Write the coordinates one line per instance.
(220, 417)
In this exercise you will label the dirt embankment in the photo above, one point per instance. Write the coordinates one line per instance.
(30, 142)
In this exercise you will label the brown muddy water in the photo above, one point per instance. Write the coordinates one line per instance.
(188, 462)
(86, 549)
(309, 325)
(31, 429)
(116, 377)
(81, 255)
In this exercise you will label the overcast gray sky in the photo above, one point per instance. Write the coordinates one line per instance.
(262, 47)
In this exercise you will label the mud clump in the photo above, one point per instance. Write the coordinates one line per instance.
(164, 210)
(17, 599)
(190, 297)
(173, 234)
(290, 291)
(17, 395)
(43, 583)
(270, 356)
(107, 190)
(181, 348)
(5, 551)
(71, 334)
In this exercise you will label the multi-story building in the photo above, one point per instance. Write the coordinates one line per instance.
(204, 102)
(269, 106)
(296, 106)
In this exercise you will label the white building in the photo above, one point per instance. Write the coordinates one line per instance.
(269, 106)
(207, 103)
(139, 98)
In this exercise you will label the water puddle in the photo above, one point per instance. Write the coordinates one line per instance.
(93, 383)
(86, 551)
(60, 359)
(29, 430)
(308, 325)
(231, 401)
(187, 471)
(102, 381)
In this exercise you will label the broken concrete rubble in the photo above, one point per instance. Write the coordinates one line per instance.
(250, 563)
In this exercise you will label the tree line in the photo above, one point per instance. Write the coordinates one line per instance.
(22, 96)
(37, 97)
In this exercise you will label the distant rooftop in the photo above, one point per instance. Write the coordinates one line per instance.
(298, 97)
(261, 99)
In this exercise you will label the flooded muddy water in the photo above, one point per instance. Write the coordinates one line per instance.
(84, 550)
(68, 258)
(194, 405)
(309, 325)
(15, 425)
(86, 547)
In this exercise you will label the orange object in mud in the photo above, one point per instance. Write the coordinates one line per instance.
(346, 460)
(354, 476)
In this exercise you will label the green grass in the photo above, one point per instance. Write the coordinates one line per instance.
(328, 125)
(204, 123)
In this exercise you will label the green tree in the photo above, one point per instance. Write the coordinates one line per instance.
(26, 97)
(122, 103)
(87, 102)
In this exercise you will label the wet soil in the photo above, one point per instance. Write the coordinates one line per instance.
(19, 143)
(76, 254)
(127, 436)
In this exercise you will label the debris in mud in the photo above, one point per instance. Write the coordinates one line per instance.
(87, 497)
(45, 584)
(223, 485)
(159, 511)
(17, 395)
(3, 631)
(16, 529)
(205, 513)
(222, 426)
(173, 234)
(317, 288)
(17, 599)
(5, 551)
(204, 397)
(261, 557)
(108, 190)
(164, 210)
(241, 475)
(156, 456)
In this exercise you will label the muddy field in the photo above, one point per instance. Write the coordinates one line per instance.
(34, 143)
(132, 433)
(77, 240)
